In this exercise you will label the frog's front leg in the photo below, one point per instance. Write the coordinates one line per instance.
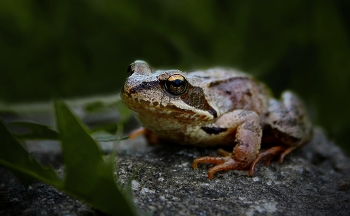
(248, 132)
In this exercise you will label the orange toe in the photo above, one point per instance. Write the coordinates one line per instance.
(207, 159)
(222, 163)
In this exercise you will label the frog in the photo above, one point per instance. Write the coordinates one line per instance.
(216, 107)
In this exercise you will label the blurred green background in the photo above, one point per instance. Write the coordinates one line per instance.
(76, 48)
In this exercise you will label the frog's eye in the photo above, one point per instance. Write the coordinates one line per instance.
(176, 84)
(131, 69)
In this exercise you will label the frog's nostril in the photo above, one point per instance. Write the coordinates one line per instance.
(130, 69)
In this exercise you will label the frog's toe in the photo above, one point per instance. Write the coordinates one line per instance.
(229, 164)
(268, 155)
(138, 132)
(285, 153)
(268, 161)
(207, 159)
(222, 163)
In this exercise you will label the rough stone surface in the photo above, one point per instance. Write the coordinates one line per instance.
(313, 180)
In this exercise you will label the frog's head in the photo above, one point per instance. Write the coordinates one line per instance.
(164, 95)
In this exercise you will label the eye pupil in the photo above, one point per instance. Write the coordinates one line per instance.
(176, 84)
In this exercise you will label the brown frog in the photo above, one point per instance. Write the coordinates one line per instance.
(216, 107)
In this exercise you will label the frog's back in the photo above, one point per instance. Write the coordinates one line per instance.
(228, 89)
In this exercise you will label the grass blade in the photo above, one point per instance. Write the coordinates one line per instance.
(88, 176)
(37, 131)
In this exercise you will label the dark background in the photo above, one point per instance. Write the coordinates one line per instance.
(74, 48)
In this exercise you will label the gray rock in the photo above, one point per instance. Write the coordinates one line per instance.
(313, 180)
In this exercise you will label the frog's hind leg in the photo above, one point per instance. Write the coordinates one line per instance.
(286, 127)
(287, 121)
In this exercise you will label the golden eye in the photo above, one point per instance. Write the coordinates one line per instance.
(176, 84)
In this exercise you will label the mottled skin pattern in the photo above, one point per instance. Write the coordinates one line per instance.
(216, 107)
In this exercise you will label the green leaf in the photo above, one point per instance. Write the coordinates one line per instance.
(88, 176)
(104, 136)
(15, 157)
(37, 131)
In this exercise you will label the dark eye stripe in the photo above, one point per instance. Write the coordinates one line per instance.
(195, 97)
(143, 86)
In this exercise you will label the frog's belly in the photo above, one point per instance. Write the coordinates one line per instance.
(186, 131)
(196, 136)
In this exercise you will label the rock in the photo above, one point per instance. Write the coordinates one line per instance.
(313, 180)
